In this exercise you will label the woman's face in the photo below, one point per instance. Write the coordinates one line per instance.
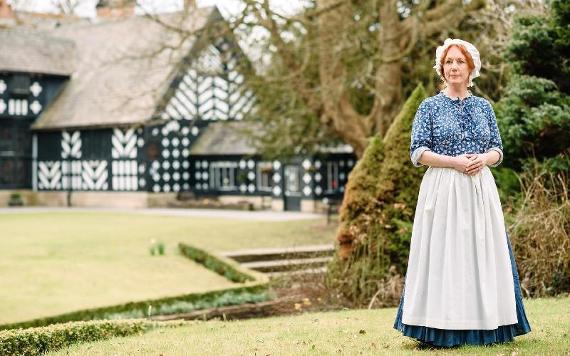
(455, 68)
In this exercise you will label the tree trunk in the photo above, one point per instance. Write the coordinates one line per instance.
(389, 72)
(338, 113)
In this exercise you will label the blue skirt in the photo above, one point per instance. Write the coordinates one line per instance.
(449, 338)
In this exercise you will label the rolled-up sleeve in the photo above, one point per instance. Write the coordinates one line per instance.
(495, 142)
(421, 140)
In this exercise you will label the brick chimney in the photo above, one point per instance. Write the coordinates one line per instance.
(189, 4)
(113, 9)
(5, 10)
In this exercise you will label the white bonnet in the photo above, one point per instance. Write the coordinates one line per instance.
(469, 47)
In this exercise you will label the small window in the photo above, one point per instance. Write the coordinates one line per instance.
(264, 176)
(223, 175)
(20, 85)
(332, 177)
(152, 151)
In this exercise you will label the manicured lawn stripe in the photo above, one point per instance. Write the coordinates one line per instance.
(59, 262)
(349, 332)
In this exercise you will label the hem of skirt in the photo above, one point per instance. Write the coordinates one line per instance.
(451, 338)
(462, 325)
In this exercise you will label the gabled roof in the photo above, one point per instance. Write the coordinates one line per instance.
(230, 138)
(224, 138)
(124, 67)
(40, 20)
(36, 52)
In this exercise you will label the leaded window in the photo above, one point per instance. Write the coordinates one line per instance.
(223, 175)
(264, 176)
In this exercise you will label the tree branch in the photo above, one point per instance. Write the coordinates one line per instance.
(266, 20)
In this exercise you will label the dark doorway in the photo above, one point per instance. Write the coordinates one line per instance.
(292, 196)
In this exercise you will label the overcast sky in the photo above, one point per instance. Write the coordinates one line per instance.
(228, 8)
(87, 7)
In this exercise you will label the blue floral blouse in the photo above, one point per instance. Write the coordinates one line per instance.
(453, 127)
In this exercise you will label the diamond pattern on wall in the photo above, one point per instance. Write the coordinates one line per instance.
(318, 190)
(36, 107)
(168, 173)
(36, 89)
(277, 190)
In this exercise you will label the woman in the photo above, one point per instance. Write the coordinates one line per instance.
(462, 284)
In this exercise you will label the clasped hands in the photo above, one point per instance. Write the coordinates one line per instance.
(470, 163)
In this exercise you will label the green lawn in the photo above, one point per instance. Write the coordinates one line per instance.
(329, 333)
(59, 262)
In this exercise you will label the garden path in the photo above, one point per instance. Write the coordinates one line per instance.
(209, 213)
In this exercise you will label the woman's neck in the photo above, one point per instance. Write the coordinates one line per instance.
(456, 92)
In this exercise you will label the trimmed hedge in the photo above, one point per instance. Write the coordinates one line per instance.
(38, 341)
(253, 290)
(217, 264)
(183, 303)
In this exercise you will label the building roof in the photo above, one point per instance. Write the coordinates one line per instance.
(124, 68)
(224, 138)
(36, 52)
(231, 138)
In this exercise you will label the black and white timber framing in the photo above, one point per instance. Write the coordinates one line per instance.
(186, 140)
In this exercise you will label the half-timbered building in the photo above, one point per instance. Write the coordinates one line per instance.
(131, 111)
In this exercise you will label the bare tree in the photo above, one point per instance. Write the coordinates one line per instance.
(342, 47)
(340, 68)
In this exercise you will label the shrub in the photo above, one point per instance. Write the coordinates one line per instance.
(38, 341)
(377, 213)
(156, 248)
(540, 231)
(217, 264)
(253, 289)
(15, 199)
(360, 197)
(176, 304)
(508, 185)
(178, 307)
(534, 119)
(534, 114)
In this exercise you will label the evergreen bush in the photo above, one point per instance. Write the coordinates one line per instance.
(534, 120)
(534, 113)
(377, 213)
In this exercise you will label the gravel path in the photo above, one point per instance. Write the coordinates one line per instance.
(206, 213)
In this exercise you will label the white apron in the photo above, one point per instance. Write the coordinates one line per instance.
(459, 271)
